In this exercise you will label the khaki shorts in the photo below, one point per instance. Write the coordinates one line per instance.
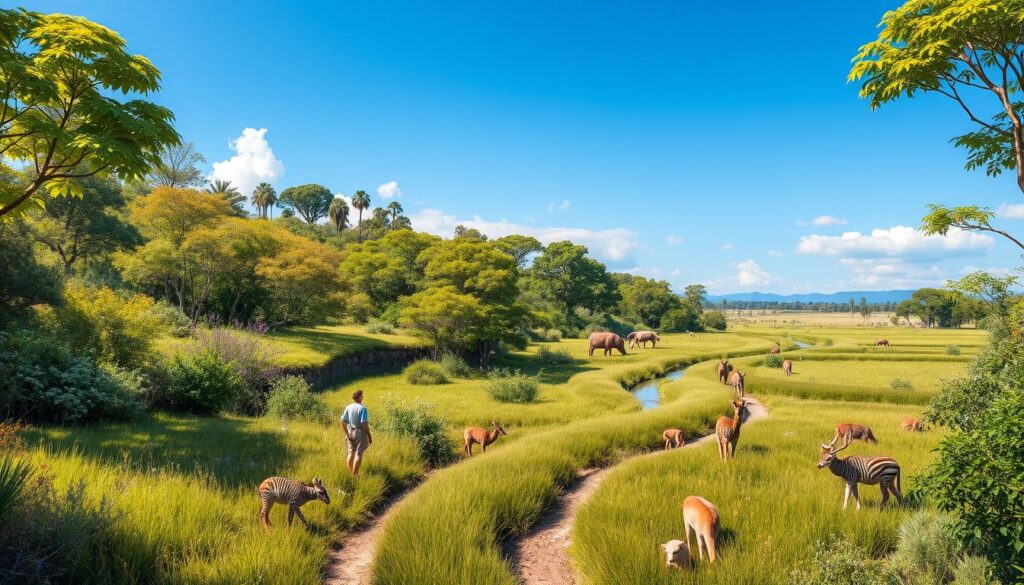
(357, 441)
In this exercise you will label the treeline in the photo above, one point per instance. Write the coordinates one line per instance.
(821, 307)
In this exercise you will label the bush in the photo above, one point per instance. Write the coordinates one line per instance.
(837, 562)
(172, 321)
(291, 399)
(713, 320)
(380, 328)
(42, 381)
(416, 420)
(926, 549)
(773, 360)
(953, 349)
(199, 382)
(680, 319)
(509, 386)
(425, 372)
(555, 356)
(391, 314)
(828, 342)
(455, 366)
(973, 570)
(549, 335)
(900, 384)
(252, 358)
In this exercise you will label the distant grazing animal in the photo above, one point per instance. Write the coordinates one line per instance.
(736, 381)
(775, 350)
(690, 334)
(677, 554)
(882, 343)
(851, 431)
(281, 490)
(642, 337)
(787, 367)
(912, 424)
(606, 341)
(701, 516)
(728, 430)
(480, 436)
(723, 371)
(673, 438)
(884, 471)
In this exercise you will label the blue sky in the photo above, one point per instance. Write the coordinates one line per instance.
(695, 142)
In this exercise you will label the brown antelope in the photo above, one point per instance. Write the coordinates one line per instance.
(728, 430)
(882, 343)
(281, 490)
(481, 436)
(723, 371)
(673, 438)
(736, 381)
(701, 516)
(851, 431)
(884, 471)
(912, 424)
(787, 367)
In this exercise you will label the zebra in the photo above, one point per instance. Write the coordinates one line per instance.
(281, 490)
(884, 471)
(728, 430)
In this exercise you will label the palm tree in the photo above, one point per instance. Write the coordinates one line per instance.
(396, 209)
(262, 198)
(338, 214)
(361, 201)
(226, 190)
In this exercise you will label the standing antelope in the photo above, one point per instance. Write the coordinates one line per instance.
(787, 367)
(701, 516)
(673, 438)
(736, 381)
(281, 490)
(481, 436)
(851, 431)
(884, 471)
(723, 371)
(728, 430)
(912, 424)
(776, 350)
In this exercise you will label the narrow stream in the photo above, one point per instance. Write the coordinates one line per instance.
(802, 344)
(647, 393)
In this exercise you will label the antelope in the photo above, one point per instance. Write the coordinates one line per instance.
(673, 438)
(776, 350)
(677, 554)
(884, 471)
(723, 371)
(728, 430)
(787, 367)
(912, 424)
(736, 381)
(281, 490)
(701, 516)
(481, 436)
(851, 431)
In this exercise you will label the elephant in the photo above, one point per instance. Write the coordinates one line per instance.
(607, 341)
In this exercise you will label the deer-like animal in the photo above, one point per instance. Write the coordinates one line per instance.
(723, 371)
(481, 436)
(281, 490)
(736, 381)
(883, 471)
(882, 343)
(851, 431)
(728, 430)
(701, 516)
(787, 367)
(912, 424)
(776, 350)
(673, 438)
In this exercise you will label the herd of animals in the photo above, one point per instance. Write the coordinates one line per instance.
(700, 516)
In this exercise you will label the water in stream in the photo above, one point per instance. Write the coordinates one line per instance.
(647, 393)
(802, 344)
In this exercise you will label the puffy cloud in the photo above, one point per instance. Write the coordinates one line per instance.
(749, 273)
(389, 190)
(993, 271)
(897, 242)
(253, 163)
(614, 244)
(892, 273)
(826, 220)
(673, 240)
(726, 246)
(1011, 210)
(563, 206)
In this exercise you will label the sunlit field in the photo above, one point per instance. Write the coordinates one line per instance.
(806, 318)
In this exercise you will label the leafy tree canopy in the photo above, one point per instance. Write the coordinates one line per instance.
(312, 202)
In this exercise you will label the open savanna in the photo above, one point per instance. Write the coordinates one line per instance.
(807, 318)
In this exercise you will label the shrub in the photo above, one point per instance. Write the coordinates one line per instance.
(973, 570)
(200, 382)
(42, 381)
(900, 384)
(172, 321)
(953, 349)
(455, 366)
(683, 318)
(290, 399)
(252, 358)
(380, 328)
(416, 420)
(541, 334)
(391, 314)
(828, 342)
(773, 360)
(509, 386)
(425, 372)
(554, 357)
(926, 549)
(14, 476)
(713, 320)
(837, 562)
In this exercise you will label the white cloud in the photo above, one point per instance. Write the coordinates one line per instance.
(253, 163)
(673, 240)
(897, 242)
(749, 273)
(1011, 210)
(800, 223)
(774, 253)
(892, 273)
(993, 271)
(389, 190)
(825, 220)
(614, 244)
(649, 272)
(563, 206)
(727, 246)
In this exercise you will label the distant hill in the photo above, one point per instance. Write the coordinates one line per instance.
(873, 296)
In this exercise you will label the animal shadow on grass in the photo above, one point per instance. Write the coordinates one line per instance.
(756, 449)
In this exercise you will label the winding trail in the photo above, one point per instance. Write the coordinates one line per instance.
(542, 556)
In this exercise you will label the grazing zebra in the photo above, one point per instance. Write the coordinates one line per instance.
(281, 490)
(884, 471)
(728, 430)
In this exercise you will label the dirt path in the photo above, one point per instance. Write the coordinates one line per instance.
(542, 556)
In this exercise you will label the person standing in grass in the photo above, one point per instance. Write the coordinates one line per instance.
(355, 422)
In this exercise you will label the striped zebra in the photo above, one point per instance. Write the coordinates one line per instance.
(281, 490)
(884, 471)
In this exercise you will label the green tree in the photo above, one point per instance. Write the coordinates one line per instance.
(519, 247)
(449, 319)
(395, 209)
(228, 192)
(178, 167)
(853, 306)
(23, 280)
(695, 295)
(263, 199)
(361, 201)
(864, 309)
(464, 232)
(312, 202)
(646, 301)
(566, 277)
(61, 116)
(337, 213)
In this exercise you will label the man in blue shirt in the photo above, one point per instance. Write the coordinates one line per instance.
(355, 422)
